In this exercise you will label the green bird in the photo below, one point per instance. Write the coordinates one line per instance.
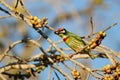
(74, 41)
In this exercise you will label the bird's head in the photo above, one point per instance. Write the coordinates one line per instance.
(61, 31)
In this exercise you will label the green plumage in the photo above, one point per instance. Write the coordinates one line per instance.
(74, 41)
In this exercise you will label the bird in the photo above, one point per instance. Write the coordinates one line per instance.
(74, 41)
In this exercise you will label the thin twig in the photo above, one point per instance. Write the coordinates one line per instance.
(56, 75)
(14, 15)
(49, 27)
(9, 48)
(92, 26)
(58, 42)
(3, 17)
(23, 6)
(112, 59)
(16, 66)
(107, 28)
(61, 71)
(67, 66)
(50, 73)
(38, 55)
(85, 68)
(110, 50)
(102, 30)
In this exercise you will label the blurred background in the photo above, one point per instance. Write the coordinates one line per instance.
(74, 15)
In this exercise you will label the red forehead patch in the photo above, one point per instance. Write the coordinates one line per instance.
(59, 29)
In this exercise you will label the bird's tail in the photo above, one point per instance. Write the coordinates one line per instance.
(92, 56)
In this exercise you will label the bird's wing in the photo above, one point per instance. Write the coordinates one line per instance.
(77, 37)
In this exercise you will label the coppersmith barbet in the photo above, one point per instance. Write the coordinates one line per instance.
(74, 41)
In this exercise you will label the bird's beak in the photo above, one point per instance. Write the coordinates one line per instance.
(56, 32)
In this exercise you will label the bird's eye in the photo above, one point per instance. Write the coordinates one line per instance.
(62, 30)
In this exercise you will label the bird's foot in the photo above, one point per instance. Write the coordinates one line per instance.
(92, 56)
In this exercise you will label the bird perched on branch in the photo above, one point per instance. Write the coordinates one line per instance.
(74, 41)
